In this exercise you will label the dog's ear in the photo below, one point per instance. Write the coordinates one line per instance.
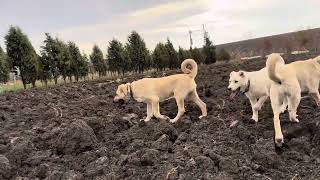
(241, 73)
(232, 73)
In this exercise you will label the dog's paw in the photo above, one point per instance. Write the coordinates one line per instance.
(202, 116)
(295, 120)
(163, 117)
(254, 119)
(166, 117)
(146, 119)
(173, 120)
(279, 141)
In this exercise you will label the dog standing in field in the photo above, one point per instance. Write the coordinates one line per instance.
(289, 81)
(154, 90)
(255, 85)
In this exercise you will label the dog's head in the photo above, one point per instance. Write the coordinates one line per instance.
(237, 83)
(122, 93)
(317, 59)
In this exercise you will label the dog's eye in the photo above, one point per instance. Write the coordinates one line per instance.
(235, 81)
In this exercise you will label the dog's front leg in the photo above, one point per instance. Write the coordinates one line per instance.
(156, 109)
(253, 102)
(181, 109)
(149, 112)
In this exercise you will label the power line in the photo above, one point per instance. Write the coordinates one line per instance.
(205, 35)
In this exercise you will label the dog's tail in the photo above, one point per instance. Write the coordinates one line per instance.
(192, 72)
(272, 62)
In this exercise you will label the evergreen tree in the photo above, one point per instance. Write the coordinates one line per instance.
(75, 61)
(173, 57)
(209, 51)
(49, 59)
(4, 69)
(44, 70)
(223, 55)
(149, 62)
(117, 57)
(84, 66)
(64, 62)
(160, 57)
(97, 61)
(137, 52)
(182, 55)
(22, 55)
(196, 55)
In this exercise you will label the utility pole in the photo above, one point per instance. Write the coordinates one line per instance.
(190, 36)
(190, 32)
(205, 34)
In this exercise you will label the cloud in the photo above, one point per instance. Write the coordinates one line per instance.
(147, 21)
(168, 9)
(226, 21)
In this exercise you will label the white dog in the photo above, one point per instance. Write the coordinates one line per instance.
(289, 82)
(255, 85)
(154, 90)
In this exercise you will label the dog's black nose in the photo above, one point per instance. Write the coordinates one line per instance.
(229, 89)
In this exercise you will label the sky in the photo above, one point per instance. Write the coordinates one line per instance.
(89, 22)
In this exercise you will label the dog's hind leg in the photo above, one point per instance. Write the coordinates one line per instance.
(181, 110)
(313, 90)
(260, 103)
(315, 95)
(195, 98)
(284, 105)
(156, 109)
(276, 100)
(293, 103)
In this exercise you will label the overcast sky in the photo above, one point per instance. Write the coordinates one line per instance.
(89, 22)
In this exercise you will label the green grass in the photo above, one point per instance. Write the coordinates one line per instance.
(19, 86)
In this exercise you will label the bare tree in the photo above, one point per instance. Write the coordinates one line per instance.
(288, 46)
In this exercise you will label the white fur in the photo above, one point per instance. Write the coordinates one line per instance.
(259, 89)
(287, 83)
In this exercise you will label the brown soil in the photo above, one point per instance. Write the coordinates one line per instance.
(77, 132)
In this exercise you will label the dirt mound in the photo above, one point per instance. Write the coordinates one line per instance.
(76, 132)
(76, 138)
(5, 167)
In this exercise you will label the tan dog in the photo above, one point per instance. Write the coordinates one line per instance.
(289, 81)
(154, 90)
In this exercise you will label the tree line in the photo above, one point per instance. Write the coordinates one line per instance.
(59, 59)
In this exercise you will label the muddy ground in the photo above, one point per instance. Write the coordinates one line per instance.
(76, 132)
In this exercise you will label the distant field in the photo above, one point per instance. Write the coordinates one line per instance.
(11, 86)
